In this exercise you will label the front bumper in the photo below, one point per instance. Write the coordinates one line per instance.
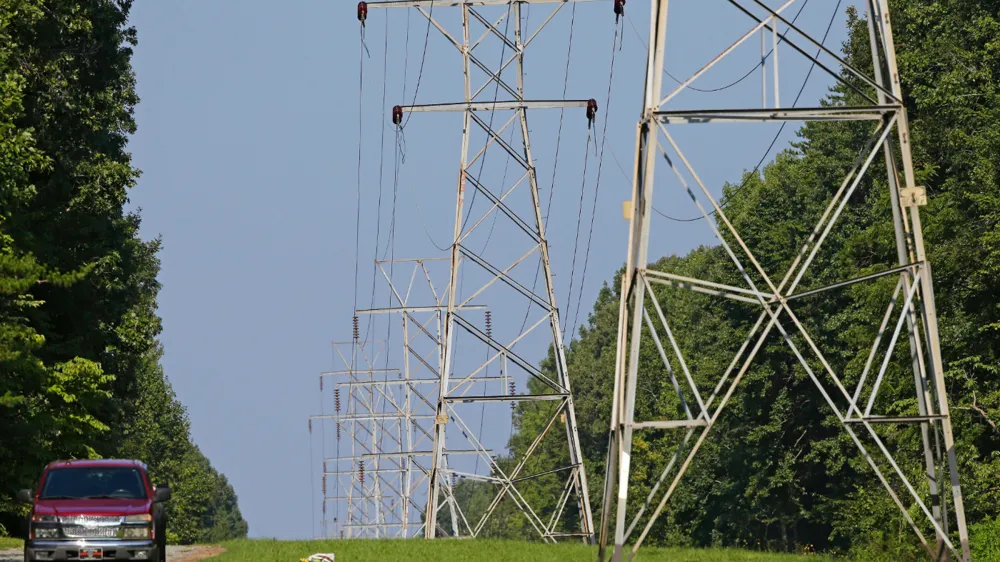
(113, 550)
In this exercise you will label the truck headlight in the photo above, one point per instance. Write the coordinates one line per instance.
(46, 533)
(136, 533)
(141, 518)
(43, 518)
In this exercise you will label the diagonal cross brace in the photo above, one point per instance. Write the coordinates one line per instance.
(774, 322)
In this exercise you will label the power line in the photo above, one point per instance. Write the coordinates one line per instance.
(392, 243)
(555, 164)
(370, 321)
(562, 113)
(503, 181)
(361, 128)
(489, 236)
(420, 215)
(496, 98)
(746, 180)
(731, 84)
(597, 189)
(423, 58)
(322, 437)
(472, 202)
(721, 88)
(399, 132)
(579, 221)
(479, 175)
(381, 169)
(312, 482)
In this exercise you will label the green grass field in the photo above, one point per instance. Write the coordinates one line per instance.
(6, 542)
(468, 551)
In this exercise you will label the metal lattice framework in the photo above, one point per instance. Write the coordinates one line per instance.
(641, 311)
(372, 481)
(484, 25)
(420, 384)
(384, 423)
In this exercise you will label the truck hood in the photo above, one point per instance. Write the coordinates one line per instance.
(109, 507)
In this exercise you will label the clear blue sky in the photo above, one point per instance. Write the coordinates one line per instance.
(248, 142)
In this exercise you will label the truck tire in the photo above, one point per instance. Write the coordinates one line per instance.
(160, 531)
(27, 556)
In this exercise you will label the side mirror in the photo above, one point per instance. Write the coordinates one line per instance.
(162, 494)
(24, 496)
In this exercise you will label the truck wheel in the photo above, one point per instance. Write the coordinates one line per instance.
(27, 556)
(160, 531)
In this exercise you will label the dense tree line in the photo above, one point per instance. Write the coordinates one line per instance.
(79, 358)
(779, 472)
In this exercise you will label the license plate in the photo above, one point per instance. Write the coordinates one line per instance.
(91, 554)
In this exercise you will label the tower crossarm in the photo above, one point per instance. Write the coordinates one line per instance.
(457, 3)
(494, 105)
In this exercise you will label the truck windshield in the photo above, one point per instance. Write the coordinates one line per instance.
(93, 483)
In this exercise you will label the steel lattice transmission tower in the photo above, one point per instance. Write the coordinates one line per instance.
(383, 419)
(641, 312)
(498, 89)
(372, 422)
(421, 306)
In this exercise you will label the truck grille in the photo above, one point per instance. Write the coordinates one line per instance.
(77, 532)
(91, 520)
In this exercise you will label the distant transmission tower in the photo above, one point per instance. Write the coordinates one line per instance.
(517, 220)
(641, 312)
(368, 472)
(421, 307)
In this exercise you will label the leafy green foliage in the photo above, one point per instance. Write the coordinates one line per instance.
(79, 373)
(779, 472)
(986, 540)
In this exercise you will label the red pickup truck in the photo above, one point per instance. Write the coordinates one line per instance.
(96, 510)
